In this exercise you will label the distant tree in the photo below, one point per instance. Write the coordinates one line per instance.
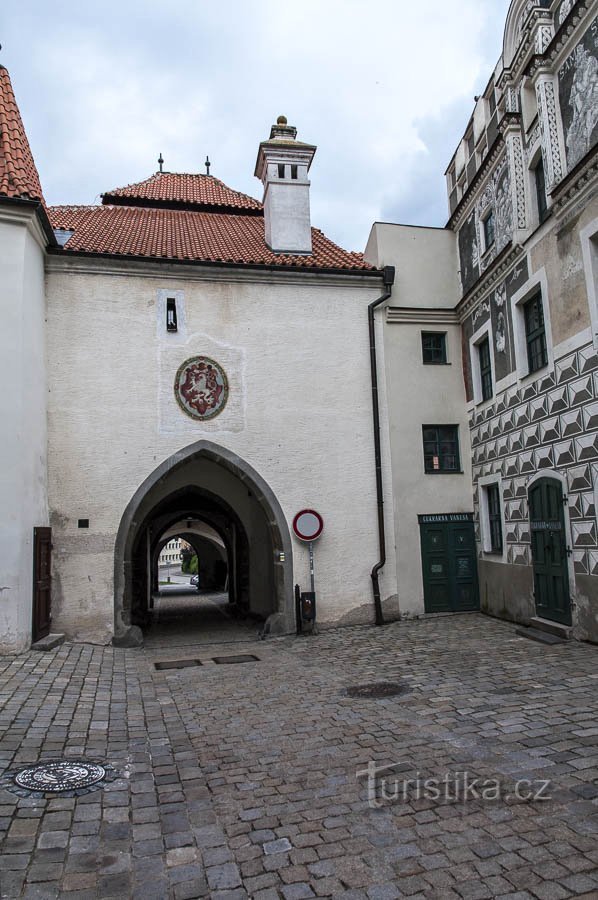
(187, 555)
(194, 565)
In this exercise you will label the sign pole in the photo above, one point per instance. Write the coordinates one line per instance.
(311, 567)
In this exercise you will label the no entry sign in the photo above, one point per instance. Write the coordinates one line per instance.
(308, 525)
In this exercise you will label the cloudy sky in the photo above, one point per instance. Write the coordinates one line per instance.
(383, 87)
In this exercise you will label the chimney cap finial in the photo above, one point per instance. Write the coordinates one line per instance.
(282, 120)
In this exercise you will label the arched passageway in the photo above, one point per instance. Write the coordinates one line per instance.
(205, 483)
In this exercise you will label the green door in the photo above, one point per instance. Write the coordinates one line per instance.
(449, 563)
(549, 551)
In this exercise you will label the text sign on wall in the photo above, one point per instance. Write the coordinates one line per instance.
(308, 525)
(446, 517)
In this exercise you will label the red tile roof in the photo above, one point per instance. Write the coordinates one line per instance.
(187, 235)
(18, 174)
(174, 189)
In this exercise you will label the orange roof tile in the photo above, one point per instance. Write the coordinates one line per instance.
(174, 189)
(187, 235)
(18, 175)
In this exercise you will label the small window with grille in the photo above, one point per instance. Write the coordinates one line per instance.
(434, 348)
(441, 448)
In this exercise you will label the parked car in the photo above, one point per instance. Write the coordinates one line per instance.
(194, 581)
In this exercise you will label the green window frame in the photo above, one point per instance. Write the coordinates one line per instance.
(494, 518)
(485, 369)
(441, 449)
(434, 348)
(535, 333)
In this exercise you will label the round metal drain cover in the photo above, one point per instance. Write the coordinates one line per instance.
(378, 689)
(55, 777)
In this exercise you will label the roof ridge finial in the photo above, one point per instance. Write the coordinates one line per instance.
(207, 164)
(161, 162)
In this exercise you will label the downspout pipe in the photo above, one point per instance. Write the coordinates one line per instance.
(388, 274)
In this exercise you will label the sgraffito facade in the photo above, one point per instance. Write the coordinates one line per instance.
(522, 189)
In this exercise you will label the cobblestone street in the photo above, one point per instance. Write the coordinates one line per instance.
(241, 780)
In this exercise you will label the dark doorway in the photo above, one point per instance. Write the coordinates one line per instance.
(449, 563)
(208, 484)
(42, 583)
(549, 551)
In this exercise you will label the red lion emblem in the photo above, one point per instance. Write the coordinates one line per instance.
(201, 387)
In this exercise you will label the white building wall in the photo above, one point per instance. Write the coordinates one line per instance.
(296, 354)
(424, 297)
(23, 482)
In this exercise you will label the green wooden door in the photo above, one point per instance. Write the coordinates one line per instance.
(549, 551)
(449, 563)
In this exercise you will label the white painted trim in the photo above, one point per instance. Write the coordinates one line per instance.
(486, 545)
(589, 249)
(537, 280)
(575, 342)
(506, 382)
(475, 340)
(557, 476)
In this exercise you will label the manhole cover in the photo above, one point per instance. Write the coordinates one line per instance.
(377, 690)
(229, 660)
(60, 776)
(177, 663)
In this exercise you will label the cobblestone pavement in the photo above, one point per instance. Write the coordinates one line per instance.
(241, 780)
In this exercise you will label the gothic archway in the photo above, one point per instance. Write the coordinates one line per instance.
(207, 468)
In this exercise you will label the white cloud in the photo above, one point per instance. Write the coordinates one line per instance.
(105, 88)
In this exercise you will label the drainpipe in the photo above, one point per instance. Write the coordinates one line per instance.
(388, 274)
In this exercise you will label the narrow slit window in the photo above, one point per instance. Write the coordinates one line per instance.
(535, 334)
(489, 230)
(294, 173)
(171, 318)
(540, 180)
(281, 170)
(485, 369)
(494, 518)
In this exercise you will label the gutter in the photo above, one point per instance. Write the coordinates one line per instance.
(388, 274)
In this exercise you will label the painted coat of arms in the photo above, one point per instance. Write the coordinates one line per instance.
(201, 388)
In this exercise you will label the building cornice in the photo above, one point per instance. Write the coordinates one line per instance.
(496, 273)
(413, 315)
(468, 199)
(526, 51)
(25, 215)
(569, 189)
(560, 41)
(96, 264)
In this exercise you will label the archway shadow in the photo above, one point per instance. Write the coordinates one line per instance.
(183, 617)
(132, 586)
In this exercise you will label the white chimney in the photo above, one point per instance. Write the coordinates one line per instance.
(282, 165)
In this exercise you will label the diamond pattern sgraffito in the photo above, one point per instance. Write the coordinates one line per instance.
(545, 428)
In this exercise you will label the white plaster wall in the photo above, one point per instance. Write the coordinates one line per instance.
(287, 216)
(425, 260)
(418, 394)
(297, 358)
(23, 484)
